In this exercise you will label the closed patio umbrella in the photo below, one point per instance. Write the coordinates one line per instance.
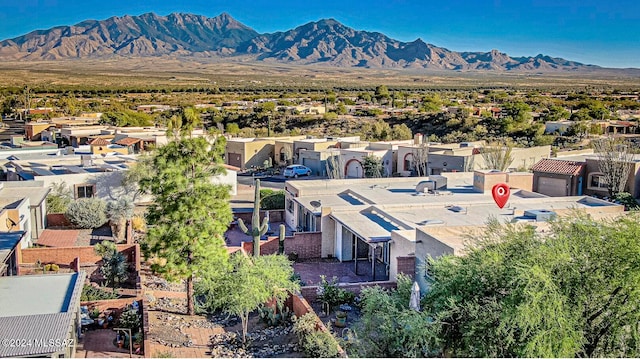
(414, 302)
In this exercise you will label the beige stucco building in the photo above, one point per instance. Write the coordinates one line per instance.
(375, 222)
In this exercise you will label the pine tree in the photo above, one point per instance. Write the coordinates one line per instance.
(190, 214)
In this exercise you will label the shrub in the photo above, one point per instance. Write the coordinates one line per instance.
(114, 266)
(314, 343)
(91, 293)
(59, 198)
(52, 267)
(331, 295)
(87, 213)
(275, 200)
(138, 224)
(627, 200)
(164, 354)
(130, 319)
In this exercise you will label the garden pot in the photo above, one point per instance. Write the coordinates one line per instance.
(120, 344)
(341, 321)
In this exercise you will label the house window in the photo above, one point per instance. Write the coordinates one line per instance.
(597, 181)
(290, 206)
(85, 190)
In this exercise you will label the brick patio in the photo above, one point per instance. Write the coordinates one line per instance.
(310, 271)
(98, 343)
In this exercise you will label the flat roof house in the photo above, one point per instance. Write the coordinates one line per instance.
(375, 222)
(41, 314)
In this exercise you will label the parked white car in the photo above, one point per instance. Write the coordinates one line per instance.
(297, 170)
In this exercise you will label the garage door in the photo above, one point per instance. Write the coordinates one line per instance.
(235, 159)
(554, 187)
(314, 164)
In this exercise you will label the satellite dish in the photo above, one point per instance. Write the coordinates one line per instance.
(315, 204)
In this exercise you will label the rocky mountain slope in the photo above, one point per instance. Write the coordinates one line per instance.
(325, 42)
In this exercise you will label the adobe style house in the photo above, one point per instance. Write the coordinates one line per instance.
(249, 152)
(459, 157)
(580, 174)
(43, 310)
(556, 178)
(381, 222)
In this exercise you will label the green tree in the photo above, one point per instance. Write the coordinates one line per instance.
(114, 267)
(341, 109)
(382, 93)
(388, 328)
(232, 128)
(247, 284)
(556, 113)
(431, 103)
(401, 132)
(189, 214)
(569, 292)
(519, 111)
(377, 131)
(184, 122)
(59, 198)
(270, 199)
(87, 212)
(372, 167)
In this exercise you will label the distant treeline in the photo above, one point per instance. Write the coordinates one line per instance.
(83, 90)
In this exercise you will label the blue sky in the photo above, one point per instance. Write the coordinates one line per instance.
(601, 32)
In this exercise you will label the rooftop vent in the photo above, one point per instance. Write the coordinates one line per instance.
(434, 183)
(540, 215)
(86, 160)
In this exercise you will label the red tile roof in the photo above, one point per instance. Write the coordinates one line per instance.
(230, 167)
(558, 166)
(58, 237)
(128, 141)
(100, 142)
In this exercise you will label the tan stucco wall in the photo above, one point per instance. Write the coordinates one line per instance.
(328, 226)
(521, 180)
(252, 153)
(402, 245)
(98, 150)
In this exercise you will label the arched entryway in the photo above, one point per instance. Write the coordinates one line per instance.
(353, 169)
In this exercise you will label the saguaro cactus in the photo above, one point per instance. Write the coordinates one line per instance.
(257, 229)
(281, 239)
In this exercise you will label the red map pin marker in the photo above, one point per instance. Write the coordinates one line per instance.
(501, 194)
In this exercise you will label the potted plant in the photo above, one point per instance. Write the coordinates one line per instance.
(137, 341)
(94, 313)
(341, 319)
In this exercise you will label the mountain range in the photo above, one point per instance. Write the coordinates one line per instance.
(326, 42)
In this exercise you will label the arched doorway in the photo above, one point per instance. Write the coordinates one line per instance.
(353, 169)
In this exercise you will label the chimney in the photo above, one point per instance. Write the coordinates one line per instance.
(417, 139)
